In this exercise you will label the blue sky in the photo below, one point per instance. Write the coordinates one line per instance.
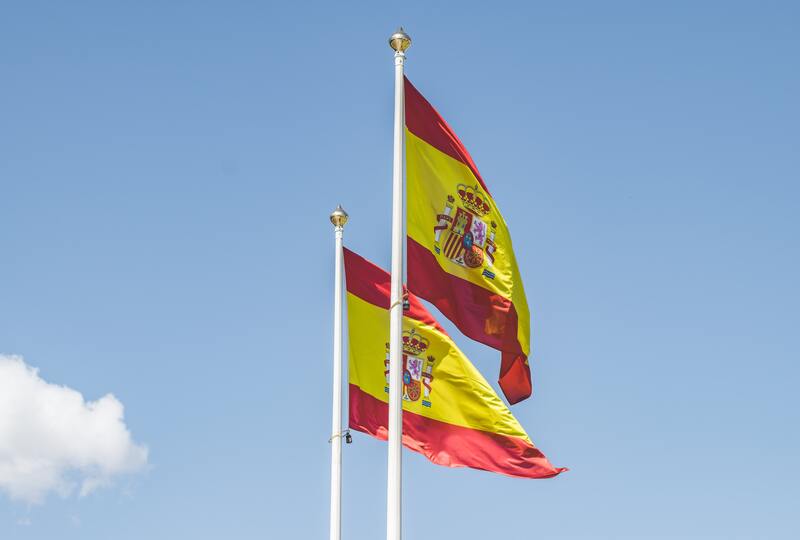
(166, 173)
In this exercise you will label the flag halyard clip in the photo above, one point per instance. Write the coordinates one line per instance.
(347, 437)
(404, 301)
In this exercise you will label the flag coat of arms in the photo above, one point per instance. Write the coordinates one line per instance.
(450, 413)
(459, 249)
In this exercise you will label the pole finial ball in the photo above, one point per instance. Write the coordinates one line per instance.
(339, 217)
(400, 41)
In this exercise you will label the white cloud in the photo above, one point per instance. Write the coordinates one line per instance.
(52, 440)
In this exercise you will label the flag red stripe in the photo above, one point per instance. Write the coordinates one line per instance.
(372, 284)
(423, 121)
(451, 445)
(480, 314)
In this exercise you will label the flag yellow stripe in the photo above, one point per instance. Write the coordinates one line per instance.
(459, 393)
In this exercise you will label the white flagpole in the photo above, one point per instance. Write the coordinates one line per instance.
(338, 218)
(399, 41)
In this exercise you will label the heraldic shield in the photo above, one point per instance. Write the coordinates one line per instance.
(461, 234)
(417, 371)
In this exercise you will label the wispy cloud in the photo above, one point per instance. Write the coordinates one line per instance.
(52, 440)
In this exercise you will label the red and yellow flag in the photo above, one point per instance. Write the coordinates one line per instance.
(459, 249)
(450, 413)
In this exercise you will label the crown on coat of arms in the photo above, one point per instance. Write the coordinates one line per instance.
(414, 344)
(473, 199)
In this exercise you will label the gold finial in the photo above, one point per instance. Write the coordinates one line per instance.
(339, 217)
(400, 41)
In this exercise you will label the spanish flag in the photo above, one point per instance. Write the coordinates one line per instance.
(450, 413)
(459, 248)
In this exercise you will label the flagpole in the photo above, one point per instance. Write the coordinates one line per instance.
(338, 218)
(399, 41)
